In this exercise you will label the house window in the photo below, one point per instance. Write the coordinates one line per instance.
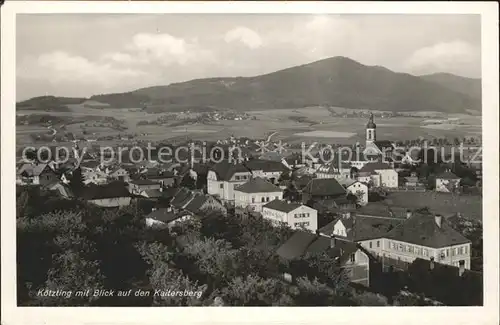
(276, 197)
(267, 199)
(370, 244)
(447, 252)
(401, 247)
(378, 243)
(426, 252)
(253, 199)
(301, 224)
(221, 185)
(465, 250)
(353, 257)
(237, 178)
(263, 199)
(454, 252)
(461, 251)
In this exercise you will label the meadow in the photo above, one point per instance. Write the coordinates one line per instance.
(313, 124)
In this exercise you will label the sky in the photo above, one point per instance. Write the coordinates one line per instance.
(79, 55)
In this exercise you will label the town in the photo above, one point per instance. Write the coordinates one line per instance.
(391, 226)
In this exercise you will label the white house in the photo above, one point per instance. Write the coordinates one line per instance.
(447, 182)
(256, 193)
(137, 186)
(38, 174)
(404, 240)
(224, 177)
(388, 176)
(296, 215)
(356, 188)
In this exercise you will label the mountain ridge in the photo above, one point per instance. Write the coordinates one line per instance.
(334, 82)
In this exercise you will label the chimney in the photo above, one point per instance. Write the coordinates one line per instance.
(408, 214)
(438, 219)
(461, 267)
(431, 264)
(333, 241)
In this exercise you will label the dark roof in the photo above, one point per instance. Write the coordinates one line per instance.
(296, 245)
(182, 197)
(258, 185)
(196, 203)
(282, 205)
(381, 144)
(153, 193)
(324, 187)
(226, 170)
(303, 242)
(447, 175)
(107, 191)
(360, 228)
(445, 284)
(271, 155)
(265, 165)
(90, 164)
(164, 215)
(302, 182)
(422, 229)
(142, 182)
(373, 166)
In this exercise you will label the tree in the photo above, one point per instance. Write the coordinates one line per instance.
(255, 291)
(76, 182)
(188, 182)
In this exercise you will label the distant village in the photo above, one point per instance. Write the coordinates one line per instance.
(342, 208)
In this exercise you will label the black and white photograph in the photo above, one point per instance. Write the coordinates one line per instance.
(235, 159)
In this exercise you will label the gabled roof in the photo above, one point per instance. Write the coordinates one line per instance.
(374, 166)
(108, 191)
(271, 155)
(258, 185)
(360, 228)
(381, 144)
(225, 170)
(164, 215)
(303, 242)
(324, 187)
(90, 164)
(265, 165)
(421, 229)
(153, 193)
(196, 203)
(182, 198)
(34, 170)
(282, 205)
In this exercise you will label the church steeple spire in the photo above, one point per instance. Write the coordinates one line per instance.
(370, 130)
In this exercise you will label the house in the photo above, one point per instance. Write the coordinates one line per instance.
(255, 193)
(137, 186)
(447, 182)
(451, 285)
(96, 177)
(268, 169)
(426, 236)
(322, 189)
(111, 195)
(296, 215)
(196, 203)
(388, 176)
(349, 256)
(223, 177)
(294, 161)
(366, 230)
(412, 180)
(166, 179)
(61, 189)
(90, 165)
(118, 173)
(38, 174)
(165, 217)
(327, 171)
(151, 194)
(356, 188)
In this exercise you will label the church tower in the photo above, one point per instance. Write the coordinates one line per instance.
(370, 131)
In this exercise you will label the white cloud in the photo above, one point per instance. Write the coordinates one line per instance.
(119, 57)
(454, 57)
(167, 50)
(244, 35)
(61, 67)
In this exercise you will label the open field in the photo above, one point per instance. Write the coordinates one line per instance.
(308, 125)
(444, 203)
